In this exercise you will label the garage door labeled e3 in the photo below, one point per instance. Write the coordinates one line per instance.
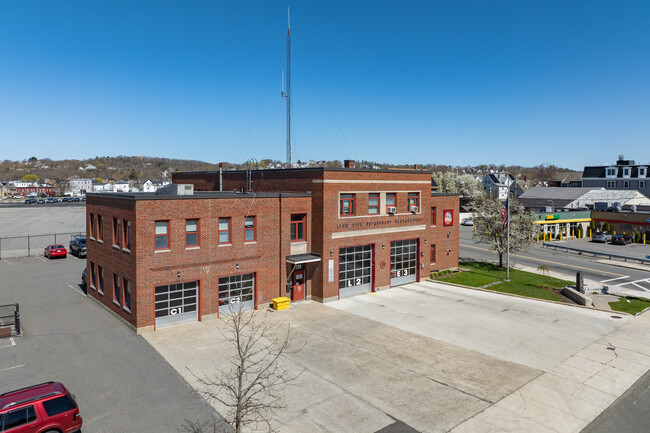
(403, 262)
(176, 303)
(355, 270)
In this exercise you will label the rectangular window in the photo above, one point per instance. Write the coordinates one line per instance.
(100, 228)
(191, 233)
(117, 232)
(391, 201)
(162, 236)
(414, 200)
(127, 235)
(373, 204)
(127, 294)
(298, 227)
(16, 418)
(249, 228)
(626, 184)
(224, 230)
(91, 225)
(642, 184)
(433, 216)
(347, 205)
(117, 290)
(93, 276)
(626, 172)
(611, 184)
(433, 253)
(100, 279)
(611, 172)
(642, 171)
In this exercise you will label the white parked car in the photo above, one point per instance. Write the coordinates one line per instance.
(467, 221)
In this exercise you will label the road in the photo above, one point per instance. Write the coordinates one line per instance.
(594, 270)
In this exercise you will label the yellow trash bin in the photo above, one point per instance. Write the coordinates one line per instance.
(281, 303)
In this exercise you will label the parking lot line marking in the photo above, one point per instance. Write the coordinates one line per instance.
(640, 287)
(645, 280)
(11, 368)
(13, 343)
(555, 263)
(73, 288)
(613, 279)
(41, 259)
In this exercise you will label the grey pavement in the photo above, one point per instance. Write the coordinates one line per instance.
(537, 334)
(122, 384)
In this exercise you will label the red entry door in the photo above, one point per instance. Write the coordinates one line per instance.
(298, 292)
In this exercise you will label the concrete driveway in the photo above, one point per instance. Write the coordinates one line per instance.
(537, 334)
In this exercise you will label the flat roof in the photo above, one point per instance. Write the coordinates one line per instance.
(195, 195)
(277, 170)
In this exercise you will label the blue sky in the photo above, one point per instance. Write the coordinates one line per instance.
(453, 82)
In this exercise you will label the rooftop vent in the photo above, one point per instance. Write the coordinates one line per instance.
(176, 189)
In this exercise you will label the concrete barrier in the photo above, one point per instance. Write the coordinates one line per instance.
(577, 297)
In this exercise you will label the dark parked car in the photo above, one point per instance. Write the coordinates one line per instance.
(78, 246)
(30, 201)
(621, 239)
(47, 407)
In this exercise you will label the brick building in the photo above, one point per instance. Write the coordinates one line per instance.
(311, 233)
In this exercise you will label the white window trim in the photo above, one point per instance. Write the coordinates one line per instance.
(645, 172)
(627, 172)
(611, 176)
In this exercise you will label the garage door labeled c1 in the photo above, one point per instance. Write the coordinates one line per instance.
(176, 303)
(403, 262)
(355, 270)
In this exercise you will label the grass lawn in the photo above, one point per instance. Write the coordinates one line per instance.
(521, 283)
(634, 306)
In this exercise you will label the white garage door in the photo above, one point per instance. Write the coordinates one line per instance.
(176, 303)
(355, 270)
(403, 262)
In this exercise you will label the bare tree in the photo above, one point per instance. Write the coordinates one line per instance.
(251, 387)
(491, 230)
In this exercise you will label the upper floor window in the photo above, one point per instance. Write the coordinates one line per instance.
(162, 235)
(298, 227)
(117, 232)
(433, 216)
(100, 228)
(224, 230)
(610, 172)
(249, 228)
(91, 225)
(414, 200)
(611, 184)
(347, 204)
(391, 202)
(373, 204)
(627, 171)
(642, 171)
(191, 233)
(127, 235)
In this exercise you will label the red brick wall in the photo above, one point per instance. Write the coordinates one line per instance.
(265, 257)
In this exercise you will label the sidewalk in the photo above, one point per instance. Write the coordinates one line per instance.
(571, 395)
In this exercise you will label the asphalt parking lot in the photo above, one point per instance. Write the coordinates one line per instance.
(122, 384)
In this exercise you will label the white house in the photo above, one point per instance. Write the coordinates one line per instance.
(498, 184)
(153, 185)
(78, 187)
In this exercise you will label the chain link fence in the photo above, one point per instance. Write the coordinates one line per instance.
(33, 245)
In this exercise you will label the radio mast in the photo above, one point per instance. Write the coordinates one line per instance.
(287, 94)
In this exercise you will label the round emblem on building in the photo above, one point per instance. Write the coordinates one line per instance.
(382, 264)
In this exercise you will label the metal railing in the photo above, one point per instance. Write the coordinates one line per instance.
(33, 245)
(9, 320)
(596, 253)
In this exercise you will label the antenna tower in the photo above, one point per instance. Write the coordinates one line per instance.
(287, 94)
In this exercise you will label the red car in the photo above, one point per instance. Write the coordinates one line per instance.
(47, 407)
(54, 251)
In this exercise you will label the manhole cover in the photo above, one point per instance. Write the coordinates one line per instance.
(616, 317)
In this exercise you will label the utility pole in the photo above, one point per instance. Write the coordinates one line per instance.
(287, 94)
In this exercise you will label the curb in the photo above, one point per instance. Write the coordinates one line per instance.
(526, 297)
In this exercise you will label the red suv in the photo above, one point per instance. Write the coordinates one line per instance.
(47, 407)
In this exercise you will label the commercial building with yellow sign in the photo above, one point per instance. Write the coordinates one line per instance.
(560, 225)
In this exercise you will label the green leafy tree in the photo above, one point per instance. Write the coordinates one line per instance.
(33, 159)
(606, 227)
(490, 228)
(30, 178)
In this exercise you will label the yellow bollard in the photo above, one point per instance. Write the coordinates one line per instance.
(644, 239)
(590, 234)
(474, 229)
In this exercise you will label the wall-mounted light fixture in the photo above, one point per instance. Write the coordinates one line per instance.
(178, 273)
(331, 253)
(421, 253)
(383, 247)
(425, 241)
(237, 265)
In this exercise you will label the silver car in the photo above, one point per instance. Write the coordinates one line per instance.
(601, 237)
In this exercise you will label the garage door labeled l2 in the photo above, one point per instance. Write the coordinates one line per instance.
(355, 270)
(403, 262)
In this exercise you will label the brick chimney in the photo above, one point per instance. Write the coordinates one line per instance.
(348, 163)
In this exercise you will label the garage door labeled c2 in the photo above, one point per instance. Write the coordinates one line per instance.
(176, 303)
(403, 262)
(355, 270)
